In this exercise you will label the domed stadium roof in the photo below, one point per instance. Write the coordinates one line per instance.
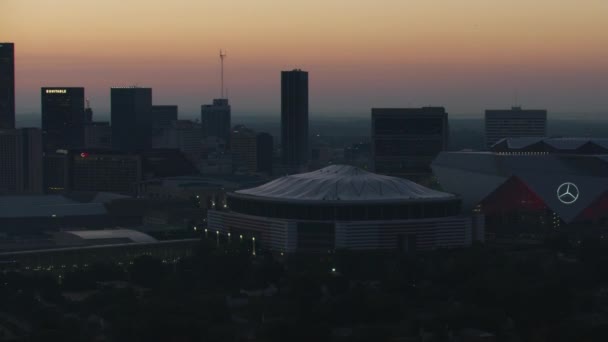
(343, 183)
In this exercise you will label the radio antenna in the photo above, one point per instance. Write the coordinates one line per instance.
(222, 56)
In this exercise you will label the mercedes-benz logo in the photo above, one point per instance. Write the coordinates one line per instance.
(567, 193)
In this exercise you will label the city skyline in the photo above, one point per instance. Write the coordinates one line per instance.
(467, 57)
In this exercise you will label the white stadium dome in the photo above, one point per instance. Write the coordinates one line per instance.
(343, 183)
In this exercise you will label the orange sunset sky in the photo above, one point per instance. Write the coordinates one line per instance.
(466, 55)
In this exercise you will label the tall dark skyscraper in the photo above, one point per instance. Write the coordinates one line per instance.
(131, 112)
(406, 140)
(7, 85)
(294, 117)
(20, 161)
(215, 120)
(63, 118)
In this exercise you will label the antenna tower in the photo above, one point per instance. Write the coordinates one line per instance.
(222, 56)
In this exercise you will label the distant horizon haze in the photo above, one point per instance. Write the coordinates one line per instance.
(467, 56)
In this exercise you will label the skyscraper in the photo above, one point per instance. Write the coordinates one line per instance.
(244, 149)
(20, 161)
(215, 120)
(7, 85)
(294, 117)
(514, 123)
(131, 118)
(63, 117)
(406, 140)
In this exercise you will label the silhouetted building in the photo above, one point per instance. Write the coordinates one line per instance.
(7, 86)
(244, 149)
(88, 113)
(215, 119)
(105, 172)
(167, 163)
(63, 118)
(265, 151)
(162, 117)
(20, 161)
(98, 135)
(131, 118)
(294, 117)
(514, 123)
(406, 140)
(56, 172)
(184, 135)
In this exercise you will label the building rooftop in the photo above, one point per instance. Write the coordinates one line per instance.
(108, 234)
(580, 145)
(55, 205)
(343, 183)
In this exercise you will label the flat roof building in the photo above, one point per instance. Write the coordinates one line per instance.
(131, 112)
(63, 117)
(406, 140)
(216, 121)
(514, 123)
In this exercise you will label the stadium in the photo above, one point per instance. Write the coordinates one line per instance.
(532, 185)
(344, 207)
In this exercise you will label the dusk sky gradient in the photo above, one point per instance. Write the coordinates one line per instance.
(466, 55)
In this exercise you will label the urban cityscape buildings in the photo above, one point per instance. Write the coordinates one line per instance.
(514, 123)
(63, 117)
(131, 117)
(183, 135)
(406, 140)
(105, 172)
(244, 149)
(20, 161)
(162, 117)
(294, 118)
(536, 186)
(216, 122)
(344, 207)
(7, 85)
(98, 135)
